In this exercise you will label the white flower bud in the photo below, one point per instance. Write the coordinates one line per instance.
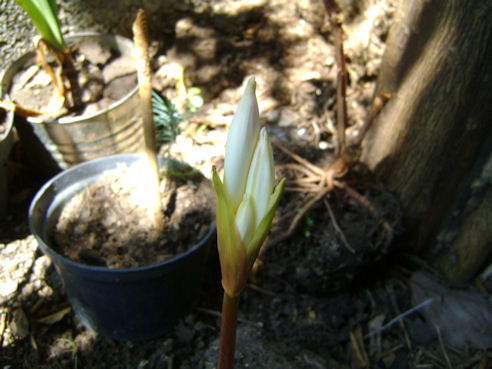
(246, 200)
(241, 143)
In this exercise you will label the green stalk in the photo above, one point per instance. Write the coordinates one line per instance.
(43, 14)
(228, 326)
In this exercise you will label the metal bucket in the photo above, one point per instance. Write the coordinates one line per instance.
(117, 129)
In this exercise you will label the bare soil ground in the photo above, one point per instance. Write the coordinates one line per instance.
(336, 292)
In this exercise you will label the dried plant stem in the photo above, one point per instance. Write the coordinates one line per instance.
(63, 81)
(376, 107)
(443, 349)
(144, 81)
(400, 317)
(3, 325)
(337, 227)
(335, 18)
(228, 326)
(12, 106)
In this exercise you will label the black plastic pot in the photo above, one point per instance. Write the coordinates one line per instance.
(123, 304)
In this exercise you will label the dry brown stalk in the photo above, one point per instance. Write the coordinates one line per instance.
(63, 80)
(144, 80)
(335, 18)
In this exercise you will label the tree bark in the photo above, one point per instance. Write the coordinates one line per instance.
(431, 142)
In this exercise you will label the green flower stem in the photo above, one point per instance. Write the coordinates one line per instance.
(228, 331)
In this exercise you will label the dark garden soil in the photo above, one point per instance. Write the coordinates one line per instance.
(108, 222)
(337, 291)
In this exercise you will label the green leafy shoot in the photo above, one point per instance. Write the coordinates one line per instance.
(310, 222)
(166, 119)
(73, 350)
(194, 99)
(43, 14)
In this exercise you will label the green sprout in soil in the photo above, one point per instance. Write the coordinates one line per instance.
(166, 119)
(188, 100)
(246, 203)
(310, 221)
(193, 98)
(72, 349)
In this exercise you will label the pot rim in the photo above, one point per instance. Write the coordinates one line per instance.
(78, 118)
(9, 117)
(91, 268)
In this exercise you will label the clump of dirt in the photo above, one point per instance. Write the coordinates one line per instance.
(108, 222)
(99, 76)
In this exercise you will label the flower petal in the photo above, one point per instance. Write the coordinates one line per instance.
(241, 142)
(245, 219)
(261, 176)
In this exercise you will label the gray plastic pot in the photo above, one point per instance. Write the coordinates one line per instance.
(71, 140)
(123, 304)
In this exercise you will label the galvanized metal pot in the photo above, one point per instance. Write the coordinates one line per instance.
(123, 304)
(71, 140)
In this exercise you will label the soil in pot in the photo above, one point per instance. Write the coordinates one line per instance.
(100, 77)
(106, 224)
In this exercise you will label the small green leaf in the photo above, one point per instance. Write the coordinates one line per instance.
(166, 118)
(261, 232)
(232, 251)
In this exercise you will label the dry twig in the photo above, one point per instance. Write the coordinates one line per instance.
(400, 317)
(358, 348)
(335, 18)
(3, 325)
(144, 81)
(443, 349)
(337, 227)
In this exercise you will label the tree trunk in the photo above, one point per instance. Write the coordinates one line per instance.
(431, 143)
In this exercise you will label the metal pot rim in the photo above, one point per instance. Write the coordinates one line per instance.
(79, 118)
